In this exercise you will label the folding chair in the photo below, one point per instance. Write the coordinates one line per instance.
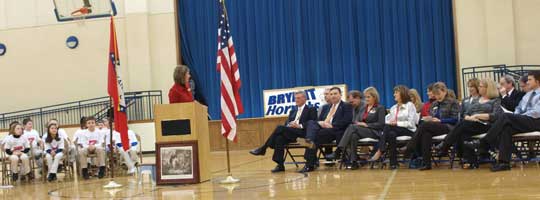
(6, 171)
(322, 156)
(402, 141)
(528, 145)
(288, 148)
(364, 142)
(69, 167)
(33, 163)
(139, 152)
(6, 167)
(435, 141)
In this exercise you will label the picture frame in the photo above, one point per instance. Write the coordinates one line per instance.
(177, 162)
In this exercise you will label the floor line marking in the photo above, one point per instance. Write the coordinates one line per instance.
(387, 185)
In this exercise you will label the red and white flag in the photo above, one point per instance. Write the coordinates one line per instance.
(116, 89)
(231, 104)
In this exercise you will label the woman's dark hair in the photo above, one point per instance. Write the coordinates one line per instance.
(535, 74)
(12, 126)
(430, 86)
(403, 93)
(179, 75)
(475, 83)
(25, 121)
(49, 135)
(83, 122)
(356, 94)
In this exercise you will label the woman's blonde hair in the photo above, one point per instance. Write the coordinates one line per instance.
(439, 87)
(491, 88)
(416, 99)
(372, 92)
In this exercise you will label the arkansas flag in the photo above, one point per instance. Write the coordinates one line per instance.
(116, 89)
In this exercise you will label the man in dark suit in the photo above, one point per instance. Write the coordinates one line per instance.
(334, 119)
(284, 134)
(510, 95)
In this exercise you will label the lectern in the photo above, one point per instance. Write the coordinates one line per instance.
(179, 127)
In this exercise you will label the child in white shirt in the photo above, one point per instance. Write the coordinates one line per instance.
(34, 139)
(17, 147)
(54, 147)
(91, 141)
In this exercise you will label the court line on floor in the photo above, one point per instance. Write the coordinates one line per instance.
(387, 185)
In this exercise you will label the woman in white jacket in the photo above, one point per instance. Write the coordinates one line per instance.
(401, 121)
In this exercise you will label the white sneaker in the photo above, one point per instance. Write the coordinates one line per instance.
(131, 171)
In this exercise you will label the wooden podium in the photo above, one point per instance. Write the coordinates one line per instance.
(184, 123)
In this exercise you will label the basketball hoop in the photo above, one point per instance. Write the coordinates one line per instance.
(80, 10)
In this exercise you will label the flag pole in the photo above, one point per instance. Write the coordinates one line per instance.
(228, 157)
(111, 158)
(112, 183)
(229, 179)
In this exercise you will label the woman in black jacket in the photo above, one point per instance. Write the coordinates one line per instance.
(370, 124)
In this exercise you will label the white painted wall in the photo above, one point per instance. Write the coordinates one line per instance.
(498, 32)
(39, 70)
(494, 32)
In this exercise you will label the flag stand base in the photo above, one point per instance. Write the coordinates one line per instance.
(229, 180)
(6, 186)
(112, 184)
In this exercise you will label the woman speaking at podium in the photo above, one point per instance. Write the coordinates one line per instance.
(180, 92)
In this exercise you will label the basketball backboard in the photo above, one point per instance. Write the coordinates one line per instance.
(68, 10)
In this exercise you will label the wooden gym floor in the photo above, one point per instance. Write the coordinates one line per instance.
(522, 182)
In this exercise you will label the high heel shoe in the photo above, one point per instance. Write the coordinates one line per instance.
(471, 166)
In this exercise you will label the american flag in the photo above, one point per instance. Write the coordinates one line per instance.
(231, 104)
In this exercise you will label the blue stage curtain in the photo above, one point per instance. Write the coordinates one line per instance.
(289, 43)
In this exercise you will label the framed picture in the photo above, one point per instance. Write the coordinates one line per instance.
(177, 162)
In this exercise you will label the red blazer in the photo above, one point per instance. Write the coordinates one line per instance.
(425, 109)
(180, 94)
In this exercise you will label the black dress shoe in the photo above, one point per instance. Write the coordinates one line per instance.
(441, 149)
(278, 168)
(50, 177)
(396, 166)
(307, 169)
(101, 173)
(500, 167)
(335, 155)
(258, 151)
(14, 177)
(354, 166)
(425, 167)
(471, 166)
(85, 174)
(440, 146)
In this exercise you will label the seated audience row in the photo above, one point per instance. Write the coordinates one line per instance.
(442, 115)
